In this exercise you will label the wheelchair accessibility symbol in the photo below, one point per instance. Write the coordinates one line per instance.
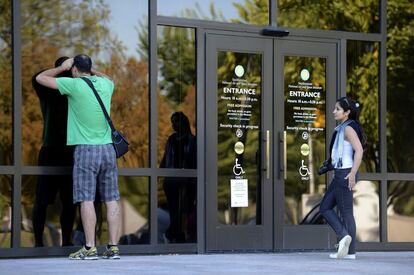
(237, 169)
(304, 170)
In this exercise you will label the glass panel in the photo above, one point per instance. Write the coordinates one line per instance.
(115, 35)
(48, 212)
(305, 111)
(177, 210)
(400, 88)
(6, 110)
(135, 210)
(235, 11)
(176, 98)
(5, 211)
(357, 16)
(49, 217)
(366, 211)
(400, 211)
(239, 78)
(362, 85)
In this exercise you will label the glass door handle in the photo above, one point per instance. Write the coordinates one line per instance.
(267, 154)
(282, 155)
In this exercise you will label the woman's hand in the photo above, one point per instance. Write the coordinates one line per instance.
(351, 180)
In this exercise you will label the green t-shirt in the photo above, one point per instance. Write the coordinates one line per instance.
(86, 121)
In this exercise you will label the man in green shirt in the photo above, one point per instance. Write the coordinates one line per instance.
(95, 165)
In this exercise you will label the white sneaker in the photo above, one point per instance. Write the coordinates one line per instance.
(347, 257)
(344, 246)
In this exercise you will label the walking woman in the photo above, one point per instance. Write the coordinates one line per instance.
(346, 156)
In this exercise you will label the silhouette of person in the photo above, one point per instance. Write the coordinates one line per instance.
(180, 152)
(54, 152)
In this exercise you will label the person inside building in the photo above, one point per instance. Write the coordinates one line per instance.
(54, 152)
(180, 152)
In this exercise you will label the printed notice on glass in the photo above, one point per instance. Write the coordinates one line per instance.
(238, 189)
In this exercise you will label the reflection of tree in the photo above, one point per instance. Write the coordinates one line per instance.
(400, 89)
(362, 85)
(401, 197)
(176, 79)
(5, 83)
(54, 28)
(176, 50)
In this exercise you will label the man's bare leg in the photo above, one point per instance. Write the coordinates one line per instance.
(113, 215)
(88, 216)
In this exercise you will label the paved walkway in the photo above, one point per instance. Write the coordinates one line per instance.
(400, 263)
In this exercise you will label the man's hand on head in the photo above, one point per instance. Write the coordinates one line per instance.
(67, 64)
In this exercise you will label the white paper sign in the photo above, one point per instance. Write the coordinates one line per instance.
(238, 190)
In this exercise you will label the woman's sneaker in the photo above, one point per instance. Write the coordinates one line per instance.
(344, 246)
(347, 257)
(111, 253)
(84, 254)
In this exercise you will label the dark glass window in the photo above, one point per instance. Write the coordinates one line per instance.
(114, 34)
(176, 98)
(6, 110)
(400, 211)
(49, 217)
(177, 210)
(354, 16)
(362, 85)
(235, 11)
(366, 211)
(5, 211)
(400, 88)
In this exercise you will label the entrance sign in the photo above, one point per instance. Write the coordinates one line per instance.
(239, 121)
(305, 109)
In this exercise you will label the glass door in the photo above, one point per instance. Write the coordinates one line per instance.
(238, 143)
(305, 92)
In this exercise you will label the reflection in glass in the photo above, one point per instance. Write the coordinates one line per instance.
(400, 88)
(305, 110)
(236, 11)
(48, 213)
(5, 211)
(330, 15)
(115, 36)
(366, 211)
(62, 227)
(135, 220)
(177, 210)
(239, 148)
(6, 110)
(176, 82)
(362, 85)
(400, 211)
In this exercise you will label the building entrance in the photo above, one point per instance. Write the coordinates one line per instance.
(267, 118)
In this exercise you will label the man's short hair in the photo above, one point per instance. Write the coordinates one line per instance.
(83, 63)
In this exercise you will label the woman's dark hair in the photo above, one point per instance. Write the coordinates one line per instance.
(183, 122)
(349, 104)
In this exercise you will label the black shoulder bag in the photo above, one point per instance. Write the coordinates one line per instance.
(118, 140)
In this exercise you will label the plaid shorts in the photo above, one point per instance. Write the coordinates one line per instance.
(94, 170)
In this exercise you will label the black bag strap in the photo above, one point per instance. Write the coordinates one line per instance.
(89, 82)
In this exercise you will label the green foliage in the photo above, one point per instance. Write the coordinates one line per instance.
(176, 54)
(400, 90)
